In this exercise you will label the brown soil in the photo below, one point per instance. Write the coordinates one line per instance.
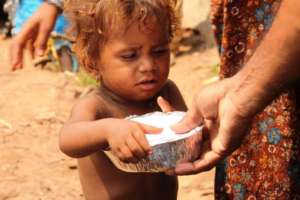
(34, 104)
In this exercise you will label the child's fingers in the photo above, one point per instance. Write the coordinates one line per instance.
(126, 155)
(135, 148)
(164, 105)
(140, 138)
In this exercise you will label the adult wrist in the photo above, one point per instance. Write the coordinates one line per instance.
(250, 94)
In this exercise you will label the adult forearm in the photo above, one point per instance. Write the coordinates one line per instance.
(274, 66)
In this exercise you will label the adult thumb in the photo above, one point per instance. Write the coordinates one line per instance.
(192, 119)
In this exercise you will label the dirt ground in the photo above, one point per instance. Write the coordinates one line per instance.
(34, 104)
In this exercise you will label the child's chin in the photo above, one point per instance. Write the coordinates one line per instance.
(144, 97)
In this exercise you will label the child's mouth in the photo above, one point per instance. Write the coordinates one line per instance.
(148, 84)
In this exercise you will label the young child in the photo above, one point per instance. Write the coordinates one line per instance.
(126, 45)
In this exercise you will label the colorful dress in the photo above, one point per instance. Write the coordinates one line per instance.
(267, 165)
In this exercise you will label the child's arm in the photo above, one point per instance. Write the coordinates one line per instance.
(84, 134)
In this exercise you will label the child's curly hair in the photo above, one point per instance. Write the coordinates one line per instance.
(93, 20)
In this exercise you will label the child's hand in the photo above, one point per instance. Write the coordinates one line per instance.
(127, 139)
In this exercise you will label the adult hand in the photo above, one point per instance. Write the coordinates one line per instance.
(225, 124)
(35, 31)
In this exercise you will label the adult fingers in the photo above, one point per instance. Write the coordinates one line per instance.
(207, 160)
(205, 163)
(213, 151)
(30, 47)
(19, 42)
(42, 38)
(16, 56)
(192, 119)
(164, 105)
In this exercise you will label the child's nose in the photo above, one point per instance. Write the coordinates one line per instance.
(147, 65)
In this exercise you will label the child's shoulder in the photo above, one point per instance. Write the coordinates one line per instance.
(93, 98)
(93, 103)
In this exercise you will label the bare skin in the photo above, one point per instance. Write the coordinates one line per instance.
(100, 179)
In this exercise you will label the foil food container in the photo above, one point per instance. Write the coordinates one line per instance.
(168, 148)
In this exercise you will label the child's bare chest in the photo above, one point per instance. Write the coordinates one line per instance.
(118, 111)
(100, 178)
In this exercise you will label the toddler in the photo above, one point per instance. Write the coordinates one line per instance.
(125, 44)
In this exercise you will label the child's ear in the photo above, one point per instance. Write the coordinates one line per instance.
(99, 76)
(99, 73)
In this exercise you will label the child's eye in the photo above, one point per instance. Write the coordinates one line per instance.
(129, 55)
(161, 51)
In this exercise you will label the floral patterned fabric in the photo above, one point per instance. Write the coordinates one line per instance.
(267, 165)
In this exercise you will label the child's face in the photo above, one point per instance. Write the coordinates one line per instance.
(135, 65)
